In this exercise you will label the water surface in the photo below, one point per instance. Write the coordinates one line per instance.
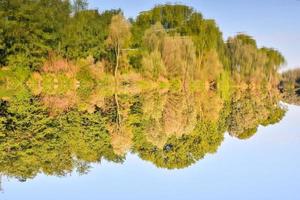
(149, 145)
(264, 167)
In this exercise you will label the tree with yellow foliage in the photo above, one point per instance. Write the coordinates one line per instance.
(118, 38)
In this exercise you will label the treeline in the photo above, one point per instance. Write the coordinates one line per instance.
(166, 42)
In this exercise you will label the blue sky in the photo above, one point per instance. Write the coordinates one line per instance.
(273, 23)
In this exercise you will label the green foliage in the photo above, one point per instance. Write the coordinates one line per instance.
(249, 109)
(31, 30)
(180, 19)
(85, 33)
(188, 44)
(274, 59)
(31, 141)
(87, 82)
(179, 152)
(275, 116)
(248, 133)
(170, 129)
(246, 40)
(79, 5)
(153, 66)
(12, 81)
(250, 62)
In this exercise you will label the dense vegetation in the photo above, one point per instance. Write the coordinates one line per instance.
(78, 86)
(169, 42)
(172, 129)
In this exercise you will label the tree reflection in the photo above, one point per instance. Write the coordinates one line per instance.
(170, 128)
(252, 108)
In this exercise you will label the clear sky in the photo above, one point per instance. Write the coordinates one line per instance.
(273, 23)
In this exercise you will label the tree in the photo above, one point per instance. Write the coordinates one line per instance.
(154, 37)
(85, 34)
(175, 142)
(33, 142)
(251, 108)
(118, 38)
(184, 21)
(152, 63)
(31, 29)
(80, 40)
(153, 66)
(274, 61)
(179, 56)
(209, 67)
(188, 52)
(79, 5)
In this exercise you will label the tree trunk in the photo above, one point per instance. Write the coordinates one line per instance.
(118, 119)
(185, 76)
(117, 52)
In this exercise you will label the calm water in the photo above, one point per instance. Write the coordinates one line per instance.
(265, 167)
(152, 145)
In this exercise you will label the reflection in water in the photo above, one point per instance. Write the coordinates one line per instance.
(55, 133)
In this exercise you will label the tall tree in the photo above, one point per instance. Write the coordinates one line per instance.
(179, 57)
(118, 38)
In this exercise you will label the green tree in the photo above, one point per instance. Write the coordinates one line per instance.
(85, 33)
(31, 30)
